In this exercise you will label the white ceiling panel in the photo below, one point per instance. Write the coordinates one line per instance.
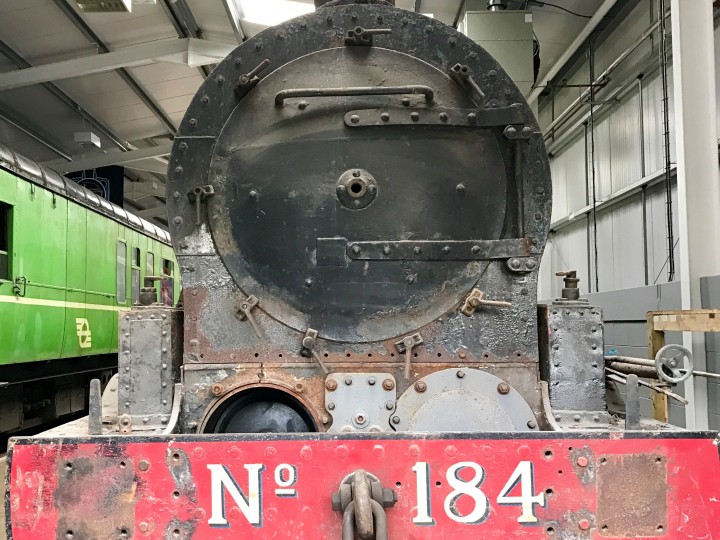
(145, 23)
(143, 128)
(176, 104)
(174, 87)
(17, 140)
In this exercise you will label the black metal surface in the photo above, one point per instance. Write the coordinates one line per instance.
(260, 411)
(275, 171)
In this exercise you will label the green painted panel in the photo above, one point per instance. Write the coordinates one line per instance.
(100, 283)
(38, 245)
(78, 339)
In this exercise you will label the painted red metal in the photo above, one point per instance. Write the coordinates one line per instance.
(161, 487)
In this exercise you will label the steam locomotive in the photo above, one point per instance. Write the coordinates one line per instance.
(360, 200)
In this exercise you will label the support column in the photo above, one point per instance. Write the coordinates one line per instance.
(697, 172)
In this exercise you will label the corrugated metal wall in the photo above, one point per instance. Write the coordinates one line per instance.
(628, 146)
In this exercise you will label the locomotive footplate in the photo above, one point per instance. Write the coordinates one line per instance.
(453, 485)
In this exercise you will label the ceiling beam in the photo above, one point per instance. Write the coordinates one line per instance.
(114, 158)
(184, 23)
(93, 38)
(190, 51)
(104, 130)
(572, 48)
(234, 13)
(149, 165)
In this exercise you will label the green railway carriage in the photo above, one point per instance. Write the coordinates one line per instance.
(70, 263)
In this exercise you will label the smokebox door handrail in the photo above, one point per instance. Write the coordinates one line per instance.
(428, 92)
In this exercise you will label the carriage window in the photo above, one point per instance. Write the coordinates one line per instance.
(136, 257)
(150, 264)
(135, 285)
(4, 241)
(121, 266)
(167, 267)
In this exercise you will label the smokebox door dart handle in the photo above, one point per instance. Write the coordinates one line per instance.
(428, 92)
(476, 299)
(405, 346)
(309, 343)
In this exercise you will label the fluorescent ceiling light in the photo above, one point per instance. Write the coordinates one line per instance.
(272, 12)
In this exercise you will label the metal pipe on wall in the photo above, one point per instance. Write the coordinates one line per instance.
(576, 105)
(604, 8)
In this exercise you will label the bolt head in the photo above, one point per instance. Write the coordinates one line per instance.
(385, 117)
(356, 249)
(348, 381)
(503, 388)
(420, 386)
(446, 250)
(371, 381)
(414, 116)
(388, 384)
(531, 424)
(460, 188)
(584, 524)
(460, 374)
(389, 405)
(331, 385)
(582, 461)
(354, 119)
(217, 389)
(406, 102)
(443, 117)
(396, 420)
(331, 406)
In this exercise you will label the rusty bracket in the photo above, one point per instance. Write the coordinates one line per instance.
(309, 343)
(461, 74)
(245, 312)
(248, 81)
(476, 299)
(364, 36)
(405, 346)
(197, 195)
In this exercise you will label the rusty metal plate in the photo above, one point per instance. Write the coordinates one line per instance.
(632, 495)
(460, 486)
